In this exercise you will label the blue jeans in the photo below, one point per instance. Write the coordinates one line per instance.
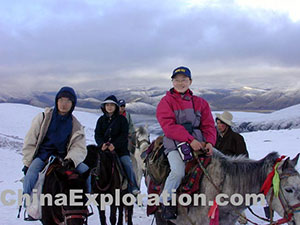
(37, 166)
(127, 164)
(176, 174)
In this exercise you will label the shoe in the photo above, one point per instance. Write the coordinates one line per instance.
(135, 192)
(169, 212)
(30, 218)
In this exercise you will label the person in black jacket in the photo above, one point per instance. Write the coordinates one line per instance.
(111, 134)
(228, 141)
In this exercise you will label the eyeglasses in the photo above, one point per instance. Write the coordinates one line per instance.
(67, 101)
(185, 81)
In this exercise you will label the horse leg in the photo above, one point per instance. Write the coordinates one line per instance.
(129, 210)
(159, 220)
(113, 214)
(102, 216)
(120, 217)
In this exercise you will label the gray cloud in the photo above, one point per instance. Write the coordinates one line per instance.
(111, 44)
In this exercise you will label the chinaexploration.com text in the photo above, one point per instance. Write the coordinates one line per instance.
(76, 196)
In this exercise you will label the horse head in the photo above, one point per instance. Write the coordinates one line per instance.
(142, 141)
(142, 137)
(287, 203)
(66, 182)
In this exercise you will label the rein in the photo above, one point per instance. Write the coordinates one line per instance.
(111, 177)
(288, 210)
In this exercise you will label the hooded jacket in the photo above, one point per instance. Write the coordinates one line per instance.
(175, 109)
(112, 129)
(72, 145)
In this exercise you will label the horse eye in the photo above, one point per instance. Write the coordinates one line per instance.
(289, 190)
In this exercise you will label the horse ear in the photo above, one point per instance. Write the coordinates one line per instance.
(294, 161)
(290, 163)
(146, 126)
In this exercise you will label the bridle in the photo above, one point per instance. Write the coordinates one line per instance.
(289, 210)
(96, 172)
(73, 214)
(140, 142)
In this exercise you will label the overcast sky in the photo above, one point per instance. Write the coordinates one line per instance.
(110, 44)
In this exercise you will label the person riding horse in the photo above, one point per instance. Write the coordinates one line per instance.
(184, 118)
(131, 128)
(111, 133)
(54, 132)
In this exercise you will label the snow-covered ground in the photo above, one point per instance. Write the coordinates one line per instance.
(16, 119)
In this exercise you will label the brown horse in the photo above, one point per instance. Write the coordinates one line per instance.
(106, 180)
(60, 180)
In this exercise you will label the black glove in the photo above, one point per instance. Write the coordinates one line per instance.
(68, 164)
(25, 168)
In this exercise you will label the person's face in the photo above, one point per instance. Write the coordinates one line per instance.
(181, 83)
(122, 108)
(64, 105)
(110, 108)
(221, 126)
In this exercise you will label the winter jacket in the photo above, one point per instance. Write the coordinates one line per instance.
(114, 130)
(175, 109)
(76, 147)
(231, 143)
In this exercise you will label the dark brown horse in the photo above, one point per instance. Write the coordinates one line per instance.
(60, 180)
(106, 179)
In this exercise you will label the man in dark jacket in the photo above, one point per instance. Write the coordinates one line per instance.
(111, 134)
(228, 141)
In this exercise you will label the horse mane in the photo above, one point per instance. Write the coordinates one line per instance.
(241, 172)
(142, 130)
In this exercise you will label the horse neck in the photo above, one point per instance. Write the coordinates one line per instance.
(243, 175)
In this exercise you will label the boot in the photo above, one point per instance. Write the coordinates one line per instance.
(30, 218)
(169, 212)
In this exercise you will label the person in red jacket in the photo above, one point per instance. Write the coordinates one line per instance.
(183, 117)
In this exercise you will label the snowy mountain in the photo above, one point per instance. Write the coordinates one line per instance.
(16, 119)
(144, 100)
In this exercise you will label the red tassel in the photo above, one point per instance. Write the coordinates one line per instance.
(268, 182)
(213, 214)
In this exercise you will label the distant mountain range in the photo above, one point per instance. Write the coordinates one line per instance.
(144, 101)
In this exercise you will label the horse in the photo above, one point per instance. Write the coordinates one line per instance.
(142, 142)
(106, 180)
(60, 180)
(231, 175)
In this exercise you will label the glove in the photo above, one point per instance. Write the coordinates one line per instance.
(25, 168)
(68, 164)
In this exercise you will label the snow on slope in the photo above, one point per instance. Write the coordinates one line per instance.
(16, 119)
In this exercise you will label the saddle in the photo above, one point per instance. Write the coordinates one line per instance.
(156, 162)
(190, 183)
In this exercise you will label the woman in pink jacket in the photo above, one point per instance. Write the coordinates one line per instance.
(187, 118)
